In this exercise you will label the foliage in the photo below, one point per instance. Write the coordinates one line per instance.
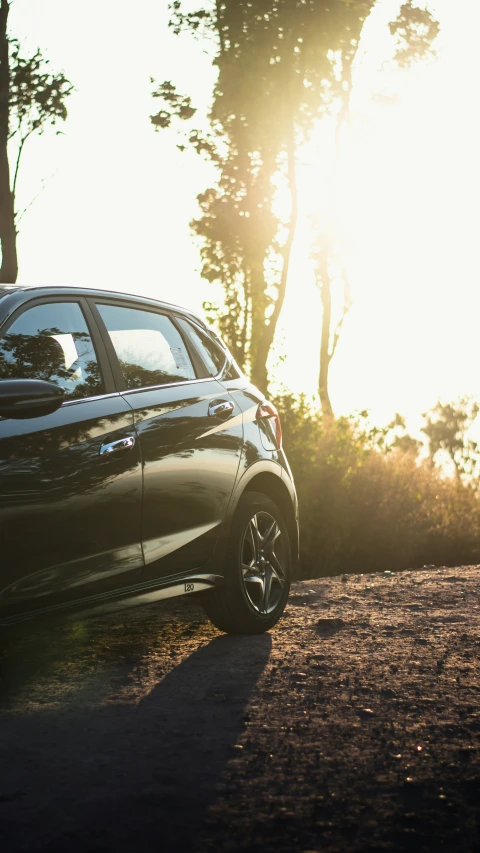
(446, 428)
(37, 97)
(366, 504)
(415, 30)
(31, 99)
(281, 64)
(180, 107)
(277, 72)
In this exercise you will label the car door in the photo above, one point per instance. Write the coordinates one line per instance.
(71, 481)
(190, 432)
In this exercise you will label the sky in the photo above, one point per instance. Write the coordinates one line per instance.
(118, 197)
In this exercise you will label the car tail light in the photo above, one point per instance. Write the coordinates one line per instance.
(266, 411)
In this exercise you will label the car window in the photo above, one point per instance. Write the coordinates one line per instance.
(51, 341)
(149, 348)
(213, 356)
(232, 371)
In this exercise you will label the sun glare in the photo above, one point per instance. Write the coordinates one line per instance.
(408, 179)
(405, 214)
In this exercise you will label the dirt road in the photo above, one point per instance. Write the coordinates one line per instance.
(353, 726)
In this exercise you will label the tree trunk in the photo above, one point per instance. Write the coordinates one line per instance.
(258, 372)
(258, 362)
(326, 351)
(325, 355)
(8, 234)
(246, 315)
(266, 332)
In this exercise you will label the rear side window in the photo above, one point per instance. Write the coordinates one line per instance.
(51, 341)
(148, 346)
(213, 356)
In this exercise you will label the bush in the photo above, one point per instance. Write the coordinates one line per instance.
(367, 506)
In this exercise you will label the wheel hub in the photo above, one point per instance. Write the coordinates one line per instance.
(263, 562)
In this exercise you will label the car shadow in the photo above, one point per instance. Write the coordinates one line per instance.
(126, 775)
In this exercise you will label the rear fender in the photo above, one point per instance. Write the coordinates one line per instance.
(271, 479)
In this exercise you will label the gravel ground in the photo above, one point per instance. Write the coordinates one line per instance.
(352, 726)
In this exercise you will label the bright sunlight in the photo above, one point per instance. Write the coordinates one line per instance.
(407, 224)
(406, 220)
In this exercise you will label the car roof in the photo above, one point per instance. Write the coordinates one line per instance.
(5, 289)
(52, 290)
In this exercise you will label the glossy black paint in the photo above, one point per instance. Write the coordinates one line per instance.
(190, 464)
(29, 398)
(125, 497)
(70, 518)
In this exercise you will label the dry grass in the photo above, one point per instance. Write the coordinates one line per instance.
(366, 507)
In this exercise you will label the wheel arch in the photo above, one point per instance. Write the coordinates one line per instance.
(265, 477)
(272, 485)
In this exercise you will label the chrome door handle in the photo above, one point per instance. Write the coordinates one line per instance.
(122, 445)
(221, 410)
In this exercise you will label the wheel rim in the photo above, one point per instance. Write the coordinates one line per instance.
(263, 555)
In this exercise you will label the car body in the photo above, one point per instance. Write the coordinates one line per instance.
(125, 491)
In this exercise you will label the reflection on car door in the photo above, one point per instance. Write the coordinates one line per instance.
(190, 432)
(70, 504)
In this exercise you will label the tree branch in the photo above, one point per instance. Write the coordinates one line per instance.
(17, 164)
(221, 38)
(336, 334)
(19, 215)
(292, 227)
(347, 304)
(246, 294)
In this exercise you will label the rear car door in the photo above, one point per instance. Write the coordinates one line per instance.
(190, 432)
(71, 481)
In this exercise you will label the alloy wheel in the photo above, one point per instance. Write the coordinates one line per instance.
(264, 556)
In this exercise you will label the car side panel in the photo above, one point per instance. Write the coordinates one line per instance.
(190, 464)
(70, 518)
(258, 461)
(248, 398)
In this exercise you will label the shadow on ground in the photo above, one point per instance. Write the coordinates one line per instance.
(115, 736)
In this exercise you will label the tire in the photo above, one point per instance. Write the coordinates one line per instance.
(257, 572)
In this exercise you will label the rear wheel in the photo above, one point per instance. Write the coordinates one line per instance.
(258, 570)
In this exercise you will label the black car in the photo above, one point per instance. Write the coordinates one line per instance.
(137, 463)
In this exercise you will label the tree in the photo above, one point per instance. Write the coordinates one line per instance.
(415, 30)
(278, 64)
(31, 99)
(275, 77)
(446, 428)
